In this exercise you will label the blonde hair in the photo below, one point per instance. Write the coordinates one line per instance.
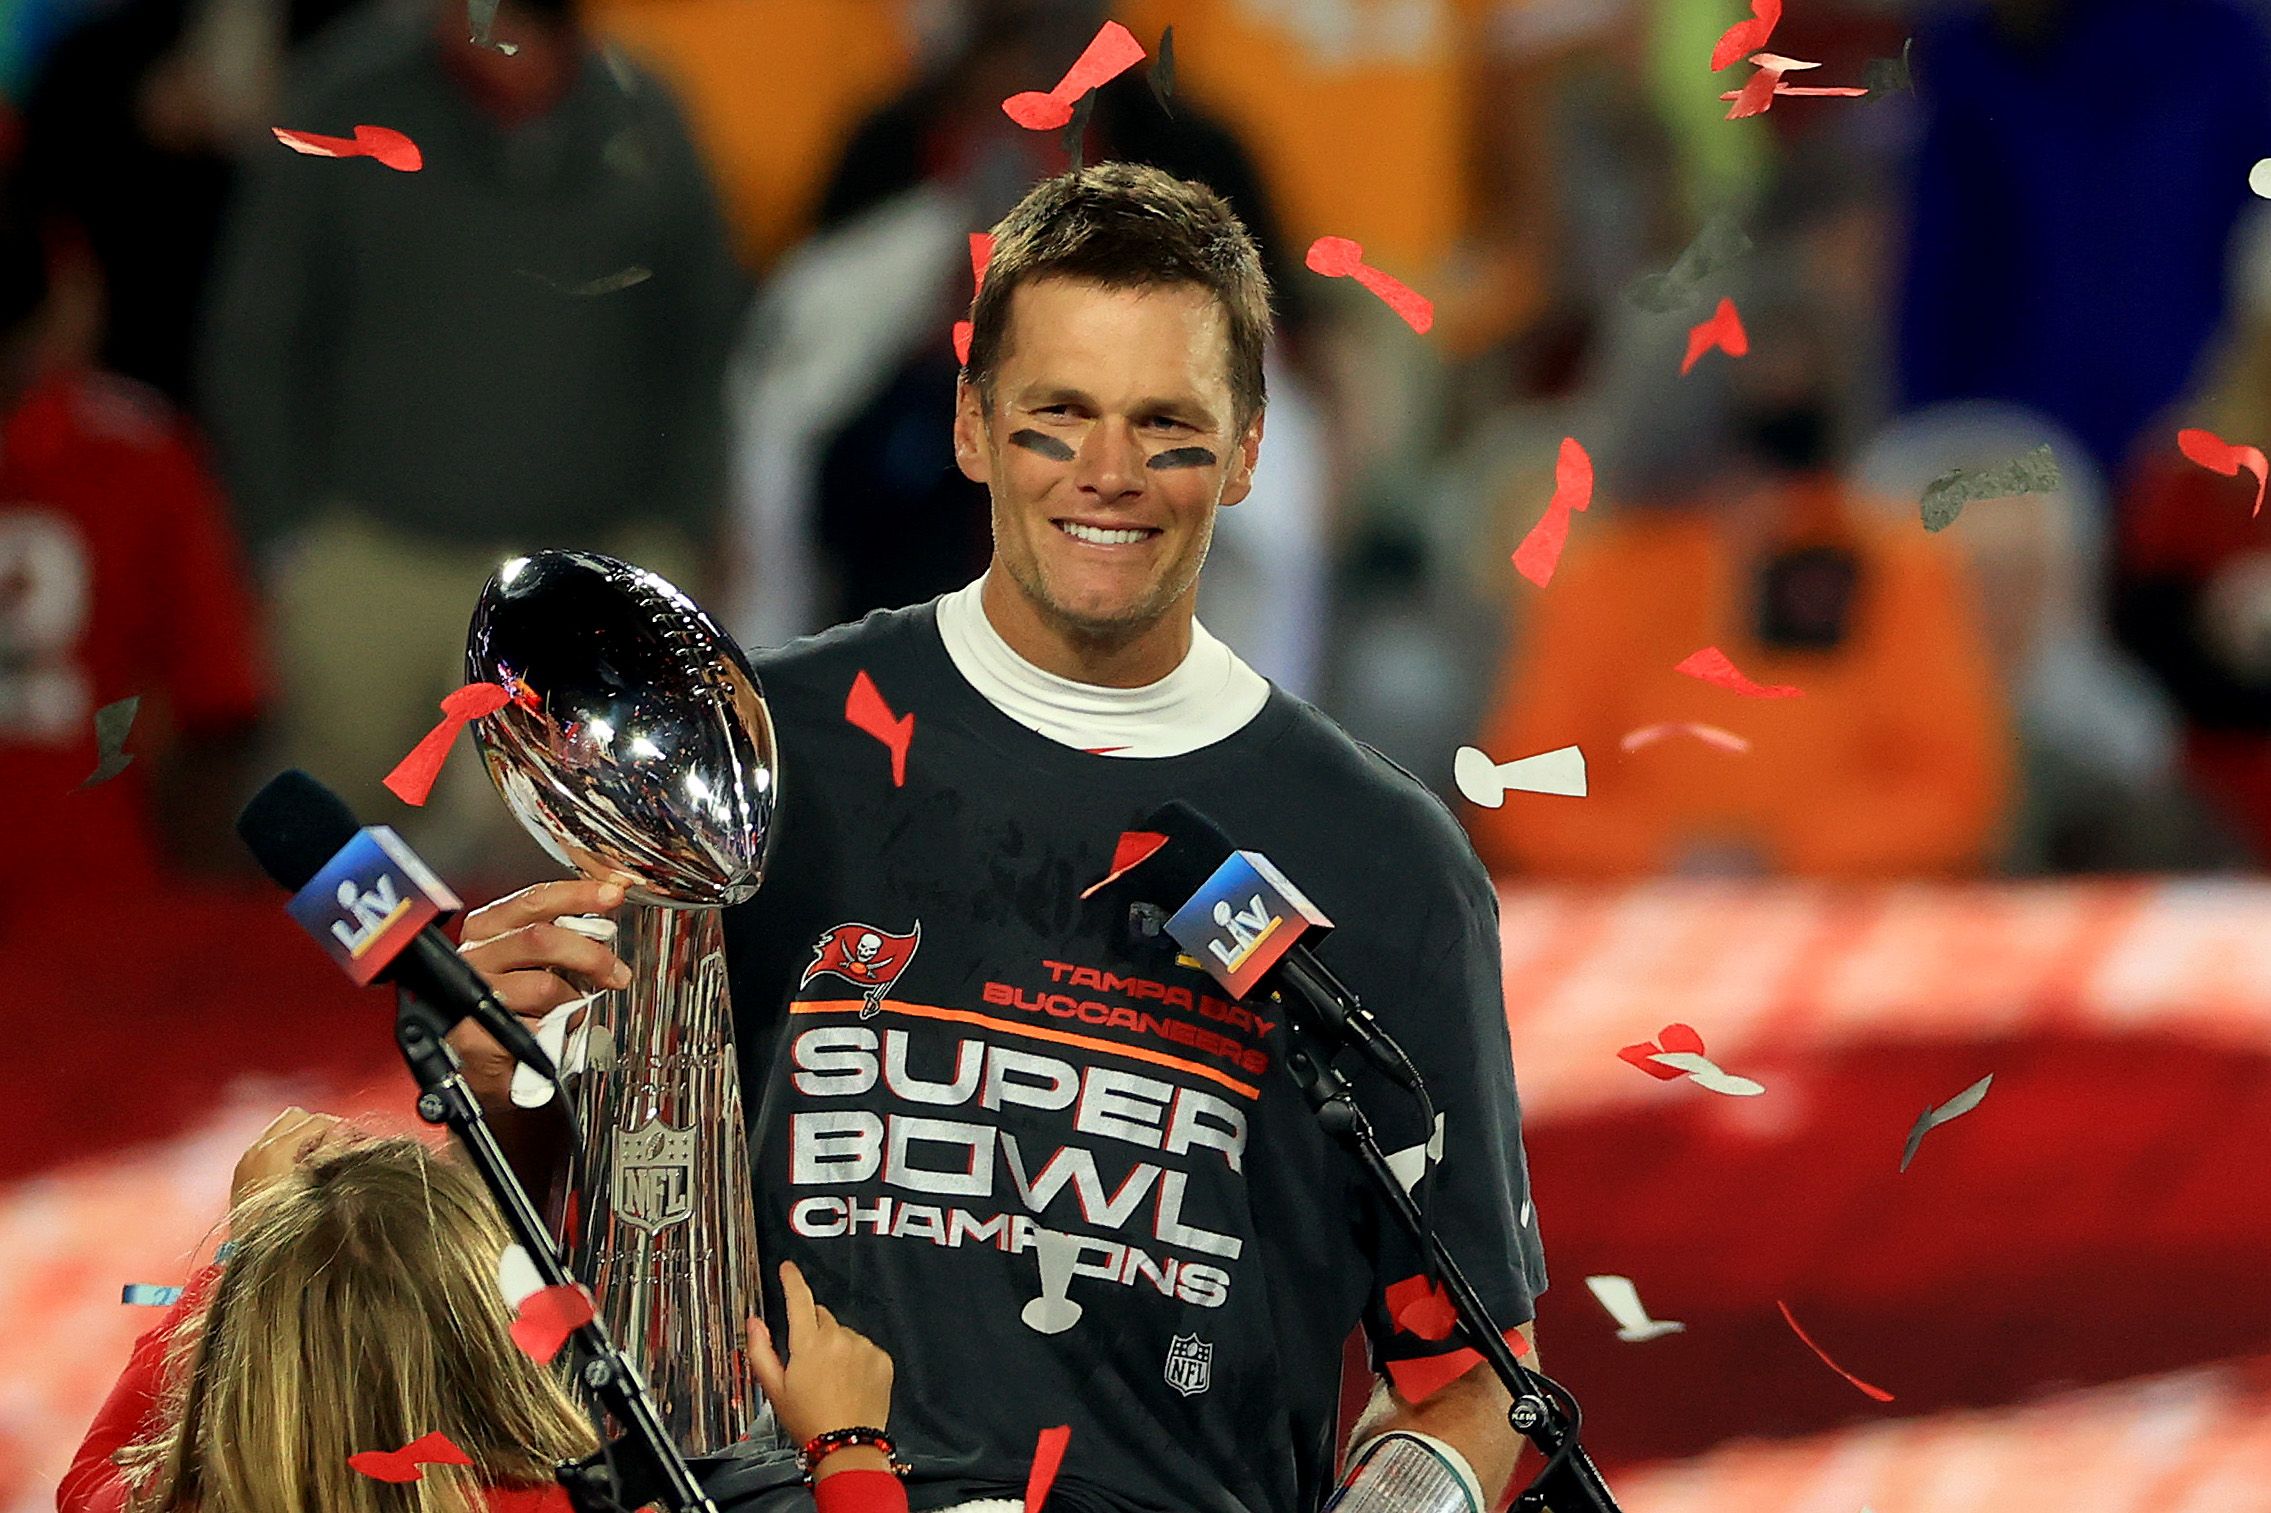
(360, 1310)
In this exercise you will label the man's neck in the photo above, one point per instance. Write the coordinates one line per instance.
(1134, 662)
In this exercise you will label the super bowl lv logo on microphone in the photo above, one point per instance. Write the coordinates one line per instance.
(865, 955)
(369, 901)
(1243, 920)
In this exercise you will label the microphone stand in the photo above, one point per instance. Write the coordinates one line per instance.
(644, 1465)
(1569, 1483)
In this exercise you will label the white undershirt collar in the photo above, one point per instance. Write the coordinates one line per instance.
(1211, 694)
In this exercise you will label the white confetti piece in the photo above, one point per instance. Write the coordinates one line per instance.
(1622, 1300)
(517, 1277)
(1932, 1118)
(1412, 1162)
(1710, 735)
(1779, 63)
(1705, 1073)
(2259, 178)
(1485, 783)
(533, 1090)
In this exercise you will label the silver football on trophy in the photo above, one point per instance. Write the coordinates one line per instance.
(638, 748)
(644, 747)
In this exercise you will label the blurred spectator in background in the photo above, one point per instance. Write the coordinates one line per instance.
(413, 376)
(127, 137)
(1895, 760)
(2083, 165)
(2100, 784)
(772, 90)
(849, 497)
(2193, 589)
(119, 577)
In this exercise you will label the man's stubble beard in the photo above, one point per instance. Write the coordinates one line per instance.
(1109, 633)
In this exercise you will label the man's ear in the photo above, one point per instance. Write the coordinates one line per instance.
(1240, 481)
(971, 453)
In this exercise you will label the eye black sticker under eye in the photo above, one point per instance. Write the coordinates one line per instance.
(1184, 457)
(1041, 444)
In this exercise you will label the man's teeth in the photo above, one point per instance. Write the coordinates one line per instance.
(1097, 537)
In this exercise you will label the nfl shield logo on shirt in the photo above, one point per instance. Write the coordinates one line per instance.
(653, 1186)
(1190, 1364)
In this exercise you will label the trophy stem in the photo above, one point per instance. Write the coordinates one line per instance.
(659, 1219)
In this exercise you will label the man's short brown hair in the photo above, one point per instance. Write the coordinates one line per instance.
(1125, 226)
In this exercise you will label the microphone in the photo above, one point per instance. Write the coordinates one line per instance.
(370, 902)
(1243, 921)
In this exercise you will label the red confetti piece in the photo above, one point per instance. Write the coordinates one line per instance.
(865, 709)
(1747, 37)
(1756, 97)
(981, 253)
(1672, 1037)
(1712, 666)
(1540, 551)
(1649, 735)
(1724, 331)
(1421, 1307)
(412, 779)
(1112, 52)
(1878, 1393)
(547, 1317)
(1048, 1456)
(1338, 257)
(2220, 456)
(1759, 102)
(1134, 848)
(402, 1465)
(381, 143)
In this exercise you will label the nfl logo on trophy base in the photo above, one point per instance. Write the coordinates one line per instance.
(654, 1176)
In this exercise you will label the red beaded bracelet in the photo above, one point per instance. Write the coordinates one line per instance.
(821, 1446)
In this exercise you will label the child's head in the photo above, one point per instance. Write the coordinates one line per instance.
(361, 1310)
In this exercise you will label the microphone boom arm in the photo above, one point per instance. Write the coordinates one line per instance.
(642, 1467)
(1569, 1482)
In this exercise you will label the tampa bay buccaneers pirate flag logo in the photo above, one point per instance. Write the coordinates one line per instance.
(865, 955)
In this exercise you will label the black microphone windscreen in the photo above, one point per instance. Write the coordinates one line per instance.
(1195, 847)
(293, 825)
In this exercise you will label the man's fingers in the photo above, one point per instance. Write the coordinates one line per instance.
(551, 947)
(534, 994)
(801, 1309)
(542, 903)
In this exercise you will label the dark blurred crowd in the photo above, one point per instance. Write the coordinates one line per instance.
(677, 278)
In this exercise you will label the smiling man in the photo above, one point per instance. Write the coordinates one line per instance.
(1043, 1160)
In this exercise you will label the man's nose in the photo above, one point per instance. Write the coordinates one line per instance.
(1110, 464)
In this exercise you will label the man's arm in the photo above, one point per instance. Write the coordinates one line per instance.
(1469, 1414)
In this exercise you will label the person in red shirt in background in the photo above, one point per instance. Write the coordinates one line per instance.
(119, 577)
(362, 1310)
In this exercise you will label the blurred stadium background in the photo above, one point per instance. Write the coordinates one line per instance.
(678, 280)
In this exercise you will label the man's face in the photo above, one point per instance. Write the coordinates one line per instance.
(1106, 448)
